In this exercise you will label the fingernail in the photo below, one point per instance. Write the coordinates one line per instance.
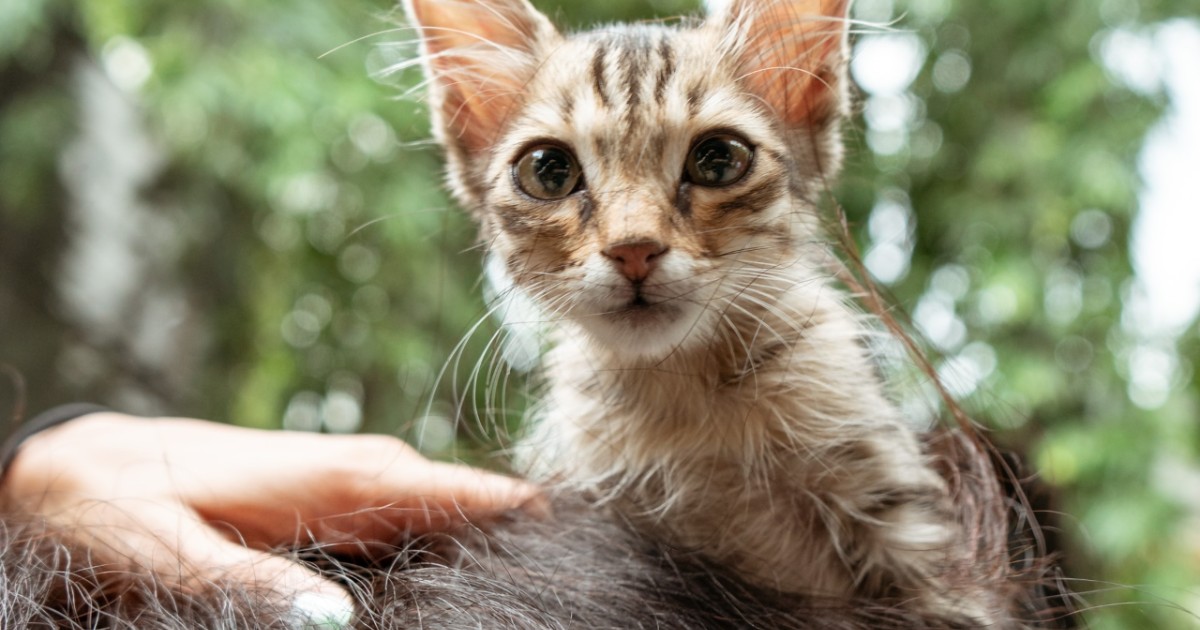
(316, 611)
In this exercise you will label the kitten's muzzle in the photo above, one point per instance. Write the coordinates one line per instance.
(635, 259)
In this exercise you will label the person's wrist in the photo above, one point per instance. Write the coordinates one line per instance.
(41, 423)
(48, 461)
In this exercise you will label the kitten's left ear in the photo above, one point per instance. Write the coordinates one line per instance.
(791, 53)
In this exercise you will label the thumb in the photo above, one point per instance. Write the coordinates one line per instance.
(187, 553)
(313, 602)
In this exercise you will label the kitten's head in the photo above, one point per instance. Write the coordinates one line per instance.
(642, 182)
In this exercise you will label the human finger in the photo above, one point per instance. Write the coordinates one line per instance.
(410, 501)
(372, 488)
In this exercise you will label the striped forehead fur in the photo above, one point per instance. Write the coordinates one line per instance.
(630, 65)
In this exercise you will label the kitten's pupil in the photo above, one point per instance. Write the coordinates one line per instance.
(552, 169)
(547, 172)
(719, 160)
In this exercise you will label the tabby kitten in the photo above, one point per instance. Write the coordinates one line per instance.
(653, 189)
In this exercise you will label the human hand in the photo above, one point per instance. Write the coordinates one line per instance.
(196, 502)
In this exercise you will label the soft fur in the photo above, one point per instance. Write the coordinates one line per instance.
(725, 402)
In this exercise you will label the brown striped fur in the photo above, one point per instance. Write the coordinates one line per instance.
(725, 403)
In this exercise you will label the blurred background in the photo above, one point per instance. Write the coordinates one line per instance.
(231, 211)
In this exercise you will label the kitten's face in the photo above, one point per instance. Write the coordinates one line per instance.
(641, 192)
(636, 186)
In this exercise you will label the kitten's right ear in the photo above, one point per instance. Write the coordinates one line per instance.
(478, 56)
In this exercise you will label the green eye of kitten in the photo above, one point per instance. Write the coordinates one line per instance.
(719, 160)
(547, 172)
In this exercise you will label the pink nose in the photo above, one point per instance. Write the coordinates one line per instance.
(635, 259)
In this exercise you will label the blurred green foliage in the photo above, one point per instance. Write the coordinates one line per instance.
(314, 275)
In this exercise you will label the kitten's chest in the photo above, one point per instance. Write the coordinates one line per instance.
(659, 414)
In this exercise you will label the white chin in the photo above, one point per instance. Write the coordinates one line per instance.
(647, 332)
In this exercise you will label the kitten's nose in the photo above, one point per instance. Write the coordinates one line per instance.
(635, 259)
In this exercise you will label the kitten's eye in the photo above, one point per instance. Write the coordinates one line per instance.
(719, 160)
(547, 172)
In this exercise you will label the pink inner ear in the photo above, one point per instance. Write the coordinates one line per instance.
(480, 56)
(793, 56)
(465, 23)
(474, 105)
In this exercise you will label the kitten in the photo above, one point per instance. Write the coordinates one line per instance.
(654, 190)
(719, 443)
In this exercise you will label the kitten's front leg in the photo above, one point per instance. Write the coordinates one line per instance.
(907, 542)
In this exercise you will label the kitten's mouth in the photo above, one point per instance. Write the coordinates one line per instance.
(640, 311)
(642, 323)
(638, 302)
